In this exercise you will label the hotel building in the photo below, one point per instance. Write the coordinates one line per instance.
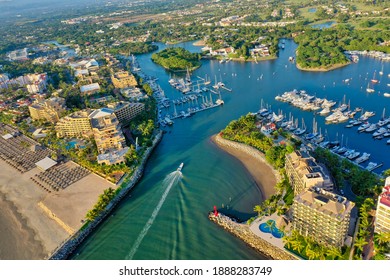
(75, 125)
(123, 80)
(126, 111)
(322, 215)
(49, 109)
(303, 173)
(106, 130)
(382, 219)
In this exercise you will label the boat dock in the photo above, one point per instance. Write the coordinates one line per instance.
(196, 111)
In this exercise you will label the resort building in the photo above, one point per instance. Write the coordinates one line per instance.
(268, 128)
(126, 111)
(75, 125)
(106, 131)
(35, 83)
(123, 80)
(303, 173)
(90, 89)
(322, 215)
(382, 219)
(49, 109)
(134, 94)
(115, 157)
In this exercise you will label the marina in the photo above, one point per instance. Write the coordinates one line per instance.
(213, 177)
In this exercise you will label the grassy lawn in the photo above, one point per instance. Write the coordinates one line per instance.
(304, 12)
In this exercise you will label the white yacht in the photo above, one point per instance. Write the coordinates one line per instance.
(362, 158)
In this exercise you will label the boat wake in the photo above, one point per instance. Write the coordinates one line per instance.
(171, 180)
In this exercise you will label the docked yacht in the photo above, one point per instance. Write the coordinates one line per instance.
(362, 158)
(371, 166)
(379, 132)
(363, 127)
(353, 155)
(371, 128)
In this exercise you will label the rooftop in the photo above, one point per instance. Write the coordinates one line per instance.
(325, 202)
(385, 196)
(99, 113)
(45, 163)
(94, 86)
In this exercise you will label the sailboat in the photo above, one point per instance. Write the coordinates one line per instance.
(206, 81)
(300, 130)
(381, 72)
(314, 133)
(373, 80)
(319, 138)
(216, 85)
(369, 90)
(188, 77)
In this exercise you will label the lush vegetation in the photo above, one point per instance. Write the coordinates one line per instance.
(101, 204)
(244, 130)
(133, 48)
(324, 48)
(177, 59)
(307, 248)
(362, 182)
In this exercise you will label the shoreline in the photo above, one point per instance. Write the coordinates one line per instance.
(25, 245)
(67, 248)
(253, 161)
(333, 67)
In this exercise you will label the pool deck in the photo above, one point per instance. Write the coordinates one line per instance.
(254, 227)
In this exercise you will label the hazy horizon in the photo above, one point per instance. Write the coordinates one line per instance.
(11, 9)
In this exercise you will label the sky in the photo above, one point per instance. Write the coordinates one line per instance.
(26, 8)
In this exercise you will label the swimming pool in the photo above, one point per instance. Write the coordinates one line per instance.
(271, 228)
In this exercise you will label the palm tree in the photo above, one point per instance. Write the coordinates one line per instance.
(333, 253)
(259, 209)
(288, 241)
(270, 224)
(297, 246)
(382, 238)
(359, 243)
(311, 254)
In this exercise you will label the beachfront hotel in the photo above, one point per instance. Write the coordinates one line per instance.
(382, 218)
(106, 130)
(49, 109)
(123, 80)
(322, 215)
(303, 173)
(75, 125)
(126, 111)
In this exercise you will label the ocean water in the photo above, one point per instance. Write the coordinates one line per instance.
(181, 229)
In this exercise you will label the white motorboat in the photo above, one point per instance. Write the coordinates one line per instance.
(180, 166)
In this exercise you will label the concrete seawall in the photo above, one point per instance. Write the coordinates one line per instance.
(243, 232)
(70, 245)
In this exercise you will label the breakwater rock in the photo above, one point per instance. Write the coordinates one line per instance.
(71, 244)
(243, 232)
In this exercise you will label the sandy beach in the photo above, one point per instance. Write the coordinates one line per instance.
(34, 222)
(263, 174)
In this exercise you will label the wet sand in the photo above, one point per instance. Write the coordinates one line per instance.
(263, 174)
(17, 241)
(28, 230)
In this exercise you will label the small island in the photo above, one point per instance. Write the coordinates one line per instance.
(133, 48)
(177, 59)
